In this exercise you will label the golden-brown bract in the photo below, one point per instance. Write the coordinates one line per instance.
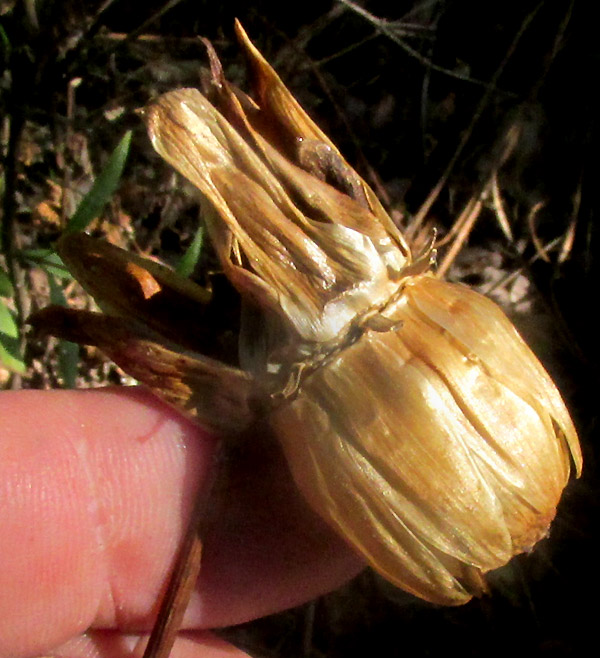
(439, 450)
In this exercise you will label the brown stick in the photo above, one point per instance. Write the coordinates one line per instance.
(185, 573)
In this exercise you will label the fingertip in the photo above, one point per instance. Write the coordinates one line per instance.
(95, 488)
(110, 644)
(199, 644)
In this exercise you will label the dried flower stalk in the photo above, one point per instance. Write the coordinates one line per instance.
(414, 418)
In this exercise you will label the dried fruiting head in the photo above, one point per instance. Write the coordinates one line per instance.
(414, 418)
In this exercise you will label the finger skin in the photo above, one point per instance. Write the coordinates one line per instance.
(108, 644)
(95, 490)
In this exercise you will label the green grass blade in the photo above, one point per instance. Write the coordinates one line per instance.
(6, 288)
(48, 260)
(8, 326)
(9, 356)
(10, 352)
(104, 187)
(188, 262)
(68, 353)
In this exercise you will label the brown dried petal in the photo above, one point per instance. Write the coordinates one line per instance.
(303, 264)
(223, 399)
(131, 286)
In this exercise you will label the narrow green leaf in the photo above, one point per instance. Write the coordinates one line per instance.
(104, 187)
(68, 353)
(48, 260)
(5, 42)
(9, 356)
(188, 262)
(8, 326)
(68, 360)
(57, 296)
(10, 353)
(6, 288)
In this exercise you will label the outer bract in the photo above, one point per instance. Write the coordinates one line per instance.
(439, 450)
